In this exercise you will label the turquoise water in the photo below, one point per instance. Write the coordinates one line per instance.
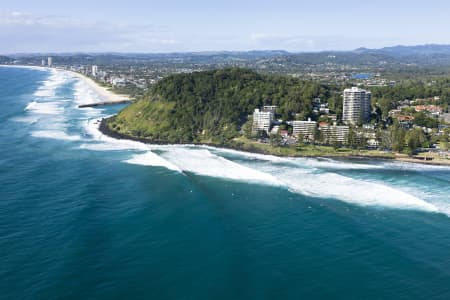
(83, 216)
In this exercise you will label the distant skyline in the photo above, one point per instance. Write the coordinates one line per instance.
(200, 25)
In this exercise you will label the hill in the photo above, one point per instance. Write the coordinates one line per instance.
(5, 60)
(212, 106)
(419, 50)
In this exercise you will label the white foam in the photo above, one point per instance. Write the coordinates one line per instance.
(355, 191)
(106, 143)
(306, 176)
(302, 161)
(300, 175)
(49, 86)
(84, 94)
(413, 166)
(30, 105)
(27, 119)
(105, 147)
(203, 162)
(26, 67)
(326, 163)
(151, 159)
(249, 155)
(174, 157)
(55, 134)
(45, 108)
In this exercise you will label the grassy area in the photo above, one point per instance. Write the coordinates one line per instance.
(305, 150)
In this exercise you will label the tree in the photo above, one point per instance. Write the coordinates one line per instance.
(397, 138)
(361, 141)
(261, 134)
(335, 143)
(384, 105)
(318, 137)
(300, 142)
(421, 119)
(444, 139)
(413, 140)
(247, 128)
(275, 139)
(416, 138)
(351, 138)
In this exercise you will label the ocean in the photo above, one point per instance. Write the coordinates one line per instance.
(84, 216)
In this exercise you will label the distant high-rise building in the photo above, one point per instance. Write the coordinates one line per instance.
(356, 107)
(94, 70)
(49, 61)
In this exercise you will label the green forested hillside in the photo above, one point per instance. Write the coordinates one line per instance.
(211, 106)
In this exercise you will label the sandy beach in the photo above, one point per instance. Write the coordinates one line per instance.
(103, 92)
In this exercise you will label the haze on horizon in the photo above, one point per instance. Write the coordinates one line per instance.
(200, 25)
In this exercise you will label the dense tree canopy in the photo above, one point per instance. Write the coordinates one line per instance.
(213, 105)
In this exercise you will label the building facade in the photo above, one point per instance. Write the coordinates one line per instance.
(333, 134)
(356, 106)
(262, 119)
(304, 128)
(94, 70)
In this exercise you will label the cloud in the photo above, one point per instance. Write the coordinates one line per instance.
(24, 19)
(305, 43)
(283, 41)
(26, 32)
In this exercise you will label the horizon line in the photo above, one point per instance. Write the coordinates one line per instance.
(214, 51)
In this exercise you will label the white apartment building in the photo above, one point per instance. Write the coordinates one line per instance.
(94, 70)
(49, 61)
(356, 106)
(262, 119)
(335, 133)
(118, 82)
(305, 128)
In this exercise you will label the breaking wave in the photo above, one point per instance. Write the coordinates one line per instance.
(45, 108)
(152, 159)
(55, 134)
(308, 176)
(321, 178)
(49, 86)
(203, 162)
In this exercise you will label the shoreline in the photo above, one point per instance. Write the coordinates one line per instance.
(423, 162)
(105, 94)
(103, 128)
(113, 98)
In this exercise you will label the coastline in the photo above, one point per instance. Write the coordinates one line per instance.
(27, 67)
(105, 94)
(423, 162)
(111, 97)
(105, 130)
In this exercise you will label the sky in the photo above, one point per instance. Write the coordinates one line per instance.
(235, 25)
